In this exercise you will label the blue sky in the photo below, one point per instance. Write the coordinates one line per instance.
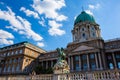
(48, 23)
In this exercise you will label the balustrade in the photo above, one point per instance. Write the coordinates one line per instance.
(95, 75)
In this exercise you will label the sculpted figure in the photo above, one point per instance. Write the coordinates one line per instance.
(61, 66)
(61, 55)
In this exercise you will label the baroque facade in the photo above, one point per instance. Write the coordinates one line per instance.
(87, 52)
(19, 58)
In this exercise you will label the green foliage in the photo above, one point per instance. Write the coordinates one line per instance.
(41, 70)
(49, 70)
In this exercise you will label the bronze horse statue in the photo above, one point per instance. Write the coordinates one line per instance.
(62, 55)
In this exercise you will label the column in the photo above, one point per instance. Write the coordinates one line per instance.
(100, 62)
(88, 63)
(80, 62)
(42, 63)
(46, 64)
(51, 63)
(114, 60)
(96, 61)
(72, 63)
(69, 61)
(73, 37)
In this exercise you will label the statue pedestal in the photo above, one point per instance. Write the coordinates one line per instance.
(61, 67)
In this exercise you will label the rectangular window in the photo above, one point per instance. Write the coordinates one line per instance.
(4, 54)
(10, 60)
(32, 53)
(77, 67)
(0, 70)
(117, 56)
(19, 59)
(14, 60)
(111, 66)
(93, 66)
(20, 51)
(4, 69)
(16, 52)
(13, 68)
(8, 53)
(85, 66)
(76, 63)
(18, 67)
(92, 56)
(84, 57)
(118, 65)
(76, 58)
(12, 53)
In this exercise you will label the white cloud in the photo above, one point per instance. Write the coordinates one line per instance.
(75, 17)
(92, 7)
(40, 44)
(54, 30)
(6, 38)
(89, 12)
(19, 24)
(49, 8)
(96, 6)
(42, 22)
(61, 18)
(11, 27)
(29, 12)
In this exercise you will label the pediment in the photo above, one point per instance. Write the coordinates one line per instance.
(82, 48)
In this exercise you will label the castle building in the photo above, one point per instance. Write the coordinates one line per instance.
(87, 52)
(19, 58)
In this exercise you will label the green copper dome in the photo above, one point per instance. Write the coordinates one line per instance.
(84, 17)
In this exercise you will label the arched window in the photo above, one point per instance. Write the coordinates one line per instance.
(83, 29)
(92, 28)
(84, 36)
(93, 34)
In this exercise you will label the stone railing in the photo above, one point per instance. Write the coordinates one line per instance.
(94, 75)
(30, 77)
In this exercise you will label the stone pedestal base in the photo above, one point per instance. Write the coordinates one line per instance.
(61, 67)
(61, 71)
